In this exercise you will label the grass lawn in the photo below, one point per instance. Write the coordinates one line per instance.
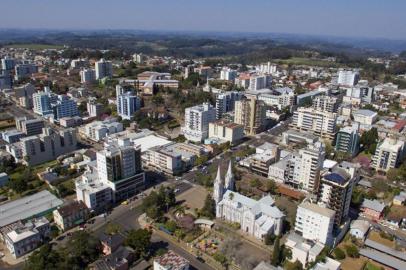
(34, 46)
(371, 266)
(374, 236)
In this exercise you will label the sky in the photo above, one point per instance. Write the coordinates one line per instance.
(345, 18)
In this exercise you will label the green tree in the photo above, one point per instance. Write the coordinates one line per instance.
(369, 140)
(139, 240)
(81, 249)
(209, 207)
(44, 258)
(271, 187)
(352, 251)
(276, 253)
(293, 265)
(112, 228)
(171, 225)
(220, 257)
(339, 254)
(255, 183)
(269, 239)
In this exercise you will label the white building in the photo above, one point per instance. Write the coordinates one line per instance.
(325, 104)
(388, 154)
(98, 130)
(321, 124)
(280, 98)
(225, 102)
(365, 117)
(127, 105)
(348, 77)
(256, 218)
(315, 223)
(94, 109)
(228, 74)
(78, 63)
(87, 75)
(24, 239)
(45, 147)
(103, 69)
(302, 250)
(226, 132)
(118, 175)
(266, 68)
(258, 82)
(197, 121)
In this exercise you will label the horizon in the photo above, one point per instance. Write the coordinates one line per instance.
(363, 19)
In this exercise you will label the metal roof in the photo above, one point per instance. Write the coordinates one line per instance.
(385, 249)
(383, 258)
(27, 207)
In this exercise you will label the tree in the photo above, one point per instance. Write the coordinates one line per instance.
(81, 249)
(44, 258)
(220, 257)
(339, 254)
(209, 208)
(255, 183)
(139, 240)
(352, 251)
(269, 239)
(171, 225)
(293, 265)
(271, 187)
(276, 253)
(369, 140)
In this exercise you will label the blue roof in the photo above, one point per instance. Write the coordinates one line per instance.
(336, 178)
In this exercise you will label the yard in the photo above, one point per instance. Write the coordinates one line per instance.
(194, 197)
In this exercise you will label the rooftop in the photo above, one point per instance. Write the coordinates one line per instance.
(317, 209)
(373, 204)
(364, 112)
(27, 207)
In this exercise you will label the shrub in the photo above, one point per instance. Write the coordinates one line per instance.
(339, 254)
(352, 251)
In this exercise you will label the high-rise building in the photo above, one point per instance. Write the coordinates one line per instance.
(29, 126)
(348, 77)
(6, 80)
(315, 223)
(305, 166)
(225, 102)
(335, 190)
(47, 103)
(280, 98)
(266, 68)
(94, 109)
(197, 119)
(87, 75)
(228, 74)
(103, 69)
(251, 113)
(388, 154)
(78, 63)
(7, 63)
(325, 104)
(45, 147)
(127, 105)
(23, 71)
(258, 82)
(225, 131)
(347, 140)
(321, 124)
(119, 167)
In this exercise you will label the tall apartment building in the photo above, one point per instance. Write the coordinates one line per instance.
(98, 130)
(22, 71)
(7, 63)
(266, 68)
(325, 104)
(388, 154)
(358, 94)
(251, 113)
(6, 80)
(127, 105)
(321, 124)
(78, 63)
(335, 190)
(315, 223)
(228, 74)
(94, 109)
(225, 102)
(45, 147)
(348, 77)
(103, 69)
(59, 106)
(119, 167)
(305, 166)
(197, 119)
(87, 75)
(347, 139)
(258, 82)
(29, 126)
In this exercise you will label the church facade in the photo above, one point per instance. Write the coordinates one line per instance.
(257, 218)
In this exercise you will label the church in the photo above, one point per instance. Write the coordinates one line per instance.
(256, 218)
